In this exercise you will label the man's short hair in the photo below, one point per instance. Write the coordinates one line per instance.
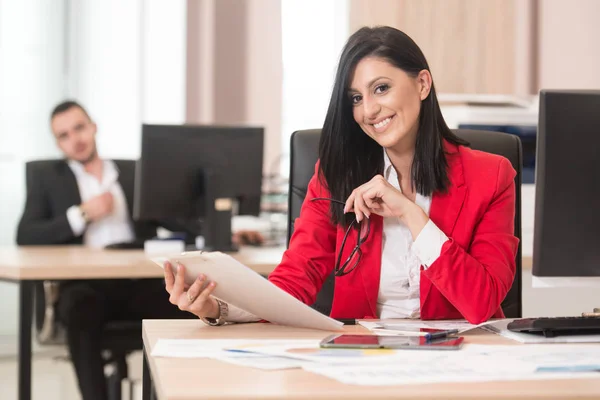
(67, 105)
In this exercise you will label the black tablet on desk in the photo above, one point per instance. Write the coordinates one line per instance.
(391, 342)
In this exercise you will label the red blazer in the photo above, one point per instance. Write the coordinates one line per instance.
(469, 280)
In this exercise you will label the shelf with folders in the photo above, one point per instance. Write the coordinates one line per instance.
(274, 203)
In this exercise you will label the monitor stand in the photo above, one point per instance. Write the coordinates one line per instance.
(594, 314)
(217, 230)
(217, 216)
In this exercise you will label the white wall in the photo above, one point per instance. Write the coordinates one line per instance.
(313, 34)
(123, 60)
(568, 53)
(163, 61)
(31, 82)
(104, 70)
(127, 66)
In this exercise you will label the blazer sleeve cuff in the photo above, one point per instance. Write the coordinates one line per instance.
(76, 220)
(428, 245)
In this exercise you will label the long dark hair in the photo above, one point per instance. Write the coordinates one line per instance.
(348, 156)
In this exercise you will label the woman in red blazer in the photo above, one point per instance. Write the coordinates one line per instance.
(414, 223)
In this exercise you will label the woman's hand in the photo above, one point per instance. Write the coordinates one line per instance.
(379, 197)
(192, 299)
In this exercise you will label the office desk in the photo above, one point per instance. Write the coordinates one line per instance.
(28, 265)
(186, 379)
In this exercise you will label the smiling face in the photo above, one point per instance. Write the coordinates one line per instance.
(386, 102)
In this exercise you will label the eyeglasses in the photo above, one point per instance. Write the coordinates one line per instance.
(363, 233)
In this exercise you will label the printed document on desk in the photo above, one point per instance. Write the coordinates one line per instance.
(346, 356)
(405, 374)
(475, 363)
(413, 327)
(498, 326)
(246, 289)
(233, 351)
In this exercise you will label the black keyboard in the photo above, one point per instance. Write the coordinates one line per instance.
(137, 244)
(557, 326)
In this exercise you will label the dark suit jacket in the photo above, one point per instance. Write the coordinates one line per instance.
(51, 190)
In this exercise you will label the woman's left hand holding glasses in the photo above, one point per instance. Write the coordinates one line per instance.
(379, 197)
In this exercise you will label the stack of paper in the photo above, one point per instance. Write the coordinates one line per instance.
(234, 351)
(417, 327)
(474, 363)
(396, 367)
(499, 327)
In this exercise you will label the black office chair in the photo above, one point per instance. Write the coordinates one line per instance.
(304, 154)
(120, 338)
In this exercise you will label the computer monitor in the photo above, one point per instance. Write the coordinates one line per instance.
(566, 244)
(191, 172)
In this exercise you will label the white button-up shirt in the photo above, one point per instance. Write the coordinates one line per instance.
(401, 258)
(114, 228)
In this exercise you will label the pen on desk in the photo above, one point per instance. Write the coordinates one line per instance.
(440, 335)
(347, 321)
(238, 351)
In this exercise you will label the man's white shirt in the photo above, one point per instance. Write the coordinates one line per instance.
(115, 227)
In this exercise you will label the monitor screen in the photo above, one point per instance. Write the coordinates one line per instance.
(170, 181)
(567, 209)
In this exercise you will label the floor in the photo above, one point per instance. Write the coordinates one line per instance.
(52, 374)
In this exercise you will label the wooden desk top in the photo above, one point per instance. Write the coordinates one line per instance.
(185, 379)
(79, 262)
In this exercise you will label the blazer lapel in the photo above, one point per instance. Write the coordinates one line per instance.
(126, 170)
(370, 270)
(70, 190)
(445, 207)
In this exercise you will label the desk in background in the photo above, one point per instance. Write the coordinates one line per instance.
(28, 265)
(186, 379)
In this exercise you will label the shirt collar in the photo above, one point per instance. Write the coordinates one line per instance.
(77, 167)
(387, 165)
(110, 174)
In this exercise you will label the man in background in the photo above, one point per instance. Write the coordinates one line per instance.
(84, 199)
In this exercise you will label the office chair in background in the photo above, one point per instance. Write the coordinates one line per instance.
(120, 338)
(304, 154)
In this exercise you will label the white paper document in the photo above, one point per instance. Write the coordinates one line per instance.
(214, 348)
(195, 348)
(346, 356)
(261, 361)
(397, 367)
(234, 351)
(472, 364)
(383, 375)
(246, 289)
(544, 357)
(412, 327)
